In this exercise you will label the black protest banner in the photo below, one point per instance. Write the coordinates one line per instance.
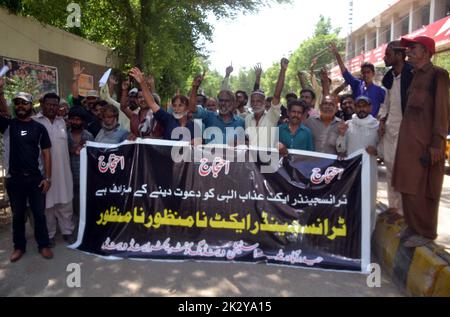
(138, 202)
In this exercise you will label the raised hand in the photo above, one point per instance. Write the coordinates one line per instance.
(258, 70)
(324, 74)
(313, 63)
(284, 63)
(77, 70)
(300, 74)
(333, 48)
(228, 71)
(198, 80)
(137, 75)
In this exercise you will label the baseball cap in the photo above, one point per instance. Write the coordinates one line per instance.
(426, 41)
(133, 91)
(24, 96)
(92, 93)
(363, 98)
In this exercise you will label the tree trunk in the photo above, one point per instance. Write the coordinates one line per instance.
(142, 34)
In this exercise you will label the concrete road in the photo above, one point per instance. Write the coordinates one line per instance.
(35, 276)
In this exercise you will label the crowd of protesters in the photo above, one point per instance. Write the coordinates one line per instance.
(404, 122)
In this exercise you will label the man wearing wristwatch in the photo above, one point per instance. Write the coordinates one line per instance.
(58, 206)
(25, 140)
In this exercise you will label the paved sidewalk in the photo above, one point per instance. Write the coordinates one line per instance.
(444, 206)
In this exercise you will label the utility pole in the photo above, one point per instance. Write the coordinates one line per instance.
(349, 45)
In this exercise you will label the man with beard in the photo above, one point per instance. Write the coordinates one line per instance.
(25, 140)
(364, 86)
(176, 125)
(217, 124)
(58, 206)
(347, 107)
(397, 81)
(324, 127)
(361, 132)
(111, 133)
(294, 135)
(86, 103)
(241, 100)
(77, 138)
(261, 125)
(143, 123)
(420, 159)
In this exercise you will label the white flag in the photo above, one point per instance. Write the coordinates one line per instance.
(104, 80)
(4, 70)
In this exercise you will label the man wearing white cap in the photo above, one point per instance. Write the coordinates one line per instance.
(261, 124)
(25, 141)
(420, 159)
(361, 132)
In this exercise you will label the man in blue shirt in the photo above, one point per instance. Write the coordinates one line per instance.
(365, 86)
(230, 129)
(294, 135)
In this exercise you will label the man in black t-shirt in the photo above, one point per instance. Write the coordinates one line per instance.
(25, 183)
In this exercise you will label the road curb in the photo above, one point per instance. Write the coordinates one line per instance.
(423, 271)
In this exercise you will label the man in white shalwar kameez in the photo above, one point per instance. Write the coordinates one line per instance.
(396, 81)
(58, 207)
(361, 132)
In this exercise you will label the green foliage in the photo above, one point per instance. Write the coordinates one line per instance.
(160, 36)
(442, 60)
(16, 83)
(301, 58)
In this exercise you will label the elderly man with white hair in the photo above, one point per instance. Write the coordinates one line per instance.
(261, 125)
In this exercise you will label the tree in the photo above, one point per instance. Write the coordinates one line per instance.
(301, 58)
(160, 36)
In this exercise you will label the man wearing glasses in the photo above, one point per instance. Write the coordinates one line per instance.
(223, 127)
(25, 140)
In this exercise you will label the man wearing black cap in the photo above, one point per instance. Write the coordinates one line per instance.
(25, 141)
(420, 159)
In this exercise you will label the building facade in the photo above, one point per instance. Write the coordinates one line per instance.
(403, 18)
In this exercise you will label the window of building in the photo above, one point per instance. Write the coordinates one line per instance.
(373, 40)
(385, 35)
(404, 25)
(425, 15)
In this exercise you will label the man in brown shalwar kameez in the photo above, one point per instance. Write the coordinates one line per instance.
(420, 160)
